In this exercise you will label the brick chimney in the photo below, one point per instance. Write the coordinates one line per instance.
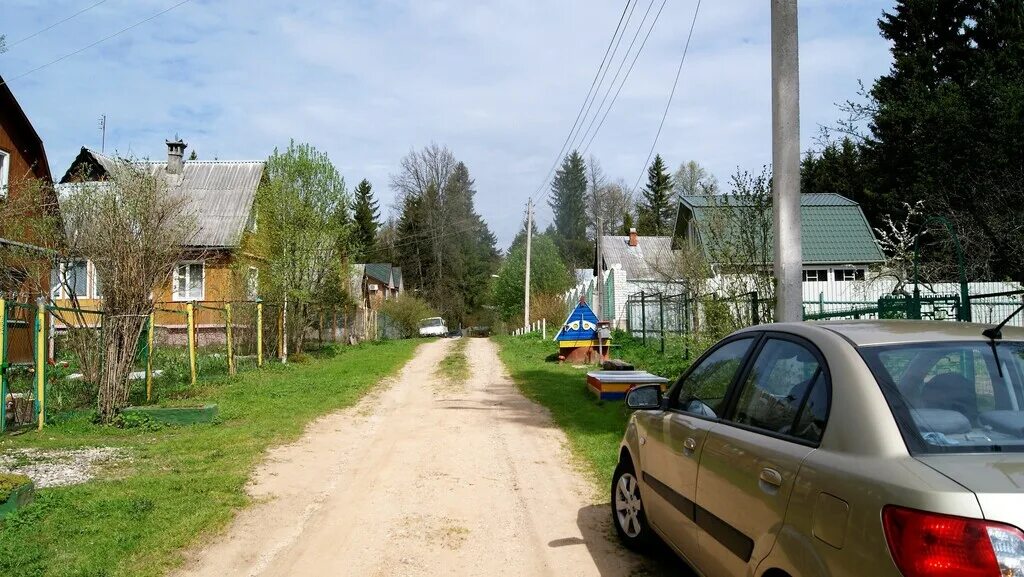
(634, 239)
(175, 156)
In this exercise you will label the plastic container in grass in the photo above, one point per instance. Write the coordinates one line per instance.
(16, 491)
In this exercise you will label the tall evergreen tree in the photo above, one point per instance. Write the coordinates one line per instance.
(569, 204)
(657, 209)
(367, 219)
(946, 121)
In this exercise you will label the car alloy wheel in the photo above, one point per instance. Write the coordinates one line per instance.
(628, 506)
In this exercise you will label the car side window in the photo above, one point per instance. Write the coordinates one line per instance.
(703, 391)
(786, 392)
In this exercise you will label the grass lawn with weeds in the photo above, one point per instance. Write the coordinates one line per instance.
(594, 427)
(178, 486)
(454, 368)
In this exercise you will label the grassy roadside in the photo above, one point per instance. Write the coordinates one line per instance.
(179, 484)
(594, 428)
(454, 368)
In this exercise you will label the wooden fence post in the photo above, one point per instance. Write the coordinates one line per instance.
(149, 357)
(228, 334)
(40, 360)
(190, 313)
(259, 334)
(281, 354)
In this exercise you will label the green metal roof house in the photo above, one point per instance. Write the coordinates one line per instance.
(834, 232)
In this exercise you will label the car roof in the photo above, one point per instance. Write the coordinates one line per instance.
(885, 332)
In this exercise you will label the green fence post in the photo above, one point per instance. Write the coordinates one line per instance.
(755, 314)
(149, 358)
(643, 318)
(661, 311)
(40, 334)
(3, 365)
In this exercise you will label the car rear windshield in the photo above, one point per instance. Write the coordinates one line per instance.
(431, 323)
(954, 397)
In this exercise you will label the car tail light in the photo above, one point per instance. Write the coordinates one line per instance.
(931, 545)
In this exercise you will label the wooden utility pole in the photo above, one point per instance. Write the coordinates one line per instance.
(529, 238)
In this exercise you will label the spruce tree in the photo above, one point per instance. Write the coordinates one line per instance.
(569, 204)
(367, 217)
(657, 208)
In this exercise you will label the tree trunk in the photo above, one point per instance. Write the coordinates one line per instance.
(120, 345)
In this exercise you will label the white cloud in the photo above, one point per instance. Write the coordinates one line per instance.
(499, 82)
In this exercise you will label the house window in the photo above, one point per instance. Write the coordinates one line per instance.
(5, 172)
(70, 278)
(252, 283)
(189, 282)
(849, 274)
(97, 287)
(816, 275)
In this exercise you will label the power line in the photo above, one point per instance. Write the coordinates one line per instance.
(625, 57)
(54, 25)
(100, 41)
(671, 95)
(622, 18)
(625, 78)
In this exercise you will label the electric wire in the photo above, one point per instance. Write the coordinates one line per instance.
(671, 95)
(54, 25)
(100, 41)
(623, 20)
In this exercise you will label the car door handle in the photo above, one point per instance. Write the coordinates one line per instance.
(771, 477)
(690, 444)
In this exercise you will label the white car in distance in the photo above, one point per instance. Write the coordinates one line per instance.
(433, 327)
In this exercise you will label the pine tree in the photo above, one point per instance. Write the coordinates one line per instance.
(367, 217)
(657, 209)
(569, 204)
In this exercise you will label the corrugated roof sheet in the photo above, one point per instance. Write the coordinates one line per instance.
(651, 259)
(834, 229)
(380, 271)
(222, 194)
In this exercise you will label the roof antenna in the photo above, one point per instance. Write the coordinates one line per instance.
(995, 333)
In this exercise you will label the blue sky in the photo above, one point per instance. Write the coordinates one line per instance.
(499, 82)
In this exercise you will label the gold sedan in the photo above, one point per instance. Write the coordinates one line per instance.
(880, 448)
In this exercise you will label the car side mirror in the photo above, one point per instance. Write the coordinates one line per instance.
(644, 397)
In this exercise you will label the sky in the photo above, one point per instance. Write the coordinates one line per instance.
(498, 82)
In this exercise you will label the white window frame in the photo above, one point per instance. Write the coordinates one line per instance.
(816, 271)
(58, 291)
(5, 173)
(188, 297)
(94, 282)
(840, 274)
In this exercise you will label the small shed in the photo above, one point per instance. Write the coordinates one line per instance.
(583, 337)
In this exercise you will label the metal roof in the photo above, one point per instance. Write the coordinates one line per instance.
(834, 228)
(380, 271)
(651, 259)
(222, 194)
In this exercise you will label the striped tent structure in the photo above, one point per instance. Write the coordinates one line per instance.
(578, 339)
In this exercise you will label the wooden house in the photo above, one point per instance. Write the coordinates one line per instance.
(217, 268)
(25, 195)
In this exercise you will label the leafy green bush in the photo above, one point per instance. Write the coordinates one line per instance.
(407, 312)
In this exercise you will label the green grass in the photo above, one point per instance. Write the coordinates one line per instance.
(594, 427)
(8, 483)
(454, 368)
(180, 484)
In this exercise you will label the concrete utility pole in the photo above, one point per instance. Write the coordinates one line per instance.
(786, 161)
(529, 238)
(599, 285)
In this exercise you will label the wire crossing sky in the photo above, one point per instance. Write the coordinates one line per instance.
(497, 82)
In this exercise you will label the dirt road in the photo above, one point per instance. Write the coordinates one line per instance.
(423, 478)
